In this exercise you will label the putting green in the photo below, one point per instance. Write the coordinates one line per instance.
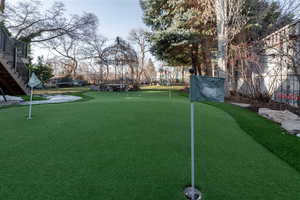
(134, 146)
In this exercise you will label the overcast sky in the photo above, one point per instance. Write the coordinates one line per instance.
(116, 17)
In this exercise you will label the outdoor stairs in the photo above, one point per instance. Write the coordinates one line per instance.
(14, 74)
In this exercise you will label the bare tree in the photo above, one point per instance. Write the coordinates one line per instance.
(266, 66)
(28, 21)
(230, 21)
(252, 72)
(69, 49)
(94, 51)
(139, 38)
(150, 72)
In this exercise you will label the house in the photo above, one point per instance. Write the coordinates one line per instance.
(270, 67)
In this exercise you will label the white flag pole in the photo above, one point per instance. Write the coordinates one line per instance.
(33, 82)
(195, 194)
(30, 104)
(193, 147)
(170, 94)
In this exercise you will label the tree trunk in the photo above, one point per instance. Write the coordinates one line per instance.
(101, 73)
(195, 59)
(132, 73)
(115, 73)
(182, 75)
(75, 68)
(221, 13)
(107, 72)
(206, 64)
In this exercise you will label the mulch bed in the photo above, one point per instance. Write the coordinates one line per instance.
(256, 104)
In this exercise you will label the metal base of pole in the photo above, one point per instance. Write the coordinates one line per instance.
(192, 193)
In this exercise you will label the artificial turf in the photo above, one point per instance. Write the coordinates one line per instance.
(267, 133)
(134, 146)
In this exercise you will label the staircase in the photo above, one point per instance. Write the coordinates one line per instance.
(14, 74)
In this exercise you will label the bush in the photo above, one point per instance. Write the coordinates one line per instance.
(135, 87)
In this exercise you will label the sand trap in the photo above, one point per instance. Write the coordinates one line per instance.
(10, 98)
(54, 99)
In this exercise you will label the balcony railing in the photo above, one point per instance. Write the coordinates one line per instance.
(14, 51)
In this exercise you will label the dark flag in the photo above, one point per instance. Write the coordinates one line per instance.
(205, 88)
(202, 88)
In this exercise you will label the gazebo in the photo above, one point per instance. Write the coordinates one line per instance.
(120, 54)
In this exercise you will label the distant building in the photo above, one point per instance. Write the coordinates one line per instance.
(272, 66)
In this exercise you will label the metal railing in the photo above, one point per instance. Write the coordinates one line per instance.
(14, 51)
(288, 91)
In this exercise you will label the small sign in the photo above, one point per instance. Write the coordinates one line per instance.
(34, 81)
(204, 88)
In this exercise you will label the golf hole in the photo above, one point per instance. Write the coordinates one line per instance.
(189, 192)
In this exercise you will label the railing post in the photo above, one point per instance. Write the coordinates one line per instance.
(4, 41)
(3, 95)
(1, 40)
(26, 50)
(15, 58)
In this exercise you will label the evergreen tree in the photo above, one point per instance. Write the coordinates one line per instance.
(184, 32)
(43, 71)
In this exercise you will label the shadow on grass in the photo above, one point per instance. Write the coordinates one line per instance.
(265, 132)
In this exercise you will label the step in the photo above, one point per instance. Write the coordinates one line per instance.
(14, 74)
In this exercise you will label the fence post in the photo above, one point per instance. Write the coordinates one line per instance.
(3, 95)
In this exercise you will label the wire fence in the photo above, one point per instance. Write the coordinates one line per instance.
(281, 89)
(288, 90)
(14, 51)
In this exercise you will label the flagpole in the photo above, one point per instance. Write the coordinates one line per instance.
(192, 112)
(33, 82)
(30, 104)
(194, 193)
(170, 94)
(193, 148)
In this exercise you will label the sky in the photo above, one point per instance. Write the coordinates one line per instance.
(116, 17)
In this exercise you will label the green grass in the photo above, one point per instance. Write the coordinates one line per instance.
(134, 146)
(267, 133)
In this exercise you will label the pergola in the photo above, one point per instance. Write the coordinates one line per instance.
(120, 54)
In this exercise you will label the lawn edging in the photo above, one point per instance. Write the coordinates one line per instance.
(266, 133)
